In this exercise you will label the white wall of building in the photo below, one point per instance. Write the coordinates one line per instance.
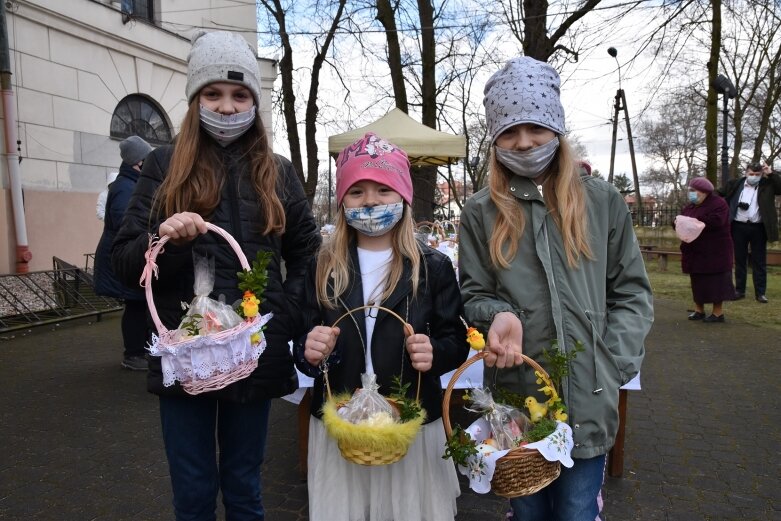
(73, 61)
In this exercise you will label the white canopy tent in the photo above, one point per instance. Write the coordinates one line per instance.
(423, 145)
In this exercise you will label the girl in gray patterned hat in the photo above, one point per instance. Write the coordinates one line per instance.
(549, 260)
(220, 170)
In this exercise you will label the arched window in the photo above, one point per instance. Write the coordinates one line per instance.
(137, 115)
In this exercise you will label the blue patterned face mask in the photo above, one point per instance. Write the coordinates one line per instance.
(374, 220)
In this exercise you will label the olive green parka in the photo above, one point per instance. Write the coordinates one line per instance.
(604, 303)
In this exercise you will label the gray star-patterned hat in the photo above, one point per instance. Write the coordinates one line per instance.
(525, 90)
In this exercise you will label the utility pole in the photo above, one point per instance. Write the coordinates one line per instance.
(620, 105)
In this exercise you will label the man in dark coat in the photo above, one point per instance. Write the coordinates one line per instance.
(133, 150)
(752, 206)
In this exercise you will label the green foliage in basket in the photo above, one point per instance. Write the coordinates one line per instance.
(256, 278)
(409, 409)
(507, 397)
(460, 447)
(540, 430)
(559, 361)
(192, 324)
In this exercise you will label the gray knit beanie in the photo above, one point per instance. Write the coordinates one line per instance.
(221, 56)
(133, 150)
(525, 90)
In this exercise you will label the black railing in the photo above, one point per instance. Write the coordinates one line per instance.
(44, 297)
(655, 216)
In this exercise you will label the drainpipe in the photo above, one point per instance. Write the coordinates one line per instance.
(23, 254)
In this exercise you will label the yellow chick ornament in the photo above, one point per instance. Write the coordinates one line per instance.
(537, 411)
(250, 304)
(475, 339)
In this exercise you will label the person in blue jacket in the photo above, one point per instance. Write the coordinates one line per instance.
(133, 151)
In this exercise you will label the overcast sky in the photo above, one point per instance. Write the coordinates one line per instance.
(588, 90)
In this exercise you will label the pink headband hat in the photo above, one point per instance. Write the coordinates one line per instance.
(371, 158)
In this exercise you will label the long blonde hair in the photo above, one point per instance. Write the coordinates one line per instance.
(334, 264)
(564, 197)
(193, 182)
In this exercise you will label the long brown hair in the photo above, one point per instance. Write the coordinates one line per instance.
(193, 182)
(564, 197)
(334, 266)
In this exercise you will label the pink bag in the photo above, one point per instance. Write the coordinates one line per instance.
(688, 228)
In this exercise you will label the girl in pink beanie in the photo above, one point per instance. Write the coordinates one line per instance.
(373, 259)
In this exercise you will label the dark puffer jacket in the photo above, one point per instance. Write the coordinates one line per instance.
(239, 213)
(119, 193)
(435, 311)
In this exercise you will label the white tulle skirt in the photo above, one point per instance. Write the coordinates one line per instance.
(422, 486)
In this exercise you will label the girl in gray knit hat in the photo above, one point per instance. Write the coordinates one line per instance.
(548, 260)
(220, 170)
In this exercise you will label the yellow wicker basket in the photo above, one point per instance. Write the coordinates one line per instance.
(521, 471)
(365, 444)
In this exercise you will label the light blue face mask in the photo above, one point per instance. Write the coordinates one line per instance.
(753, 180)
(694, 197)
(528, 163)
(374, 220)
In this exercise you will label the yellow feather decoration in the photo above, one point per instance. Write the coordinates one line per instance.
(387, 438)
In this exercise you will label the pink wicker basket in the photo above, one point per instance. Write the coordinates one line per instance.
(206, 362)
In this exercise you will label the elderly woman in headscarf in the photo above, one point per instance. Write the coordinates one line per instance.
(708, 258)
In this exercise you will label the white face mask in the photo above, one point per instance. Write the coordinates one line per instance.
(753, 180)
(374, 220)
(226, 128)
(528, 163)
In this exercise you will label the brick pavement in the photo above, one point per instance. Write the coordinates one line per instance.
(80, 436)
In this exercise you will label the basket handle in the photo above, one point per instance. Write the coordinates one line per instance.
(453, 379)
(150, 269)
(408, 331)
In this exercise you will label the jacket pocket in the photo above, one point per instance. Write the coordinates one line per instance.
(605, 367)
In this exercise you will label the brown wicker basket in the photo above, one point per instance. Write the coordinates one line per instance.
(521, 471)
(368, 452)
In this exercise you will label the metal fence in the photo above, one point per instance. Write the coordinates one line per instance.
(654, 215)
(45, 297)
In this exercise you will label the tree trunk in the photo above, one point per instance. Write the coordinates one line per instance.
(312, 110)
(426, 177)
(288, 94)
(711, 103)
(386, 15)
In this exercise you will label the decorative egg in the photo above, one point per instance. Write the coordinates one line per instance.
(484, 449)
(492, 442)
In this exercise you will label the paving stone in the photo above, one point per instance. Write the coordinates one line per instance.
(81, 437)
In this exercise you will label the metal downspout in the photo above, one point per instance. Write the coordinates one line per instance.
(23, 254)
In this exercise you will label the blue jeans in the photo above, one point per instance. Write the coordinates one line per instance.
(571, 497)
(189, 427)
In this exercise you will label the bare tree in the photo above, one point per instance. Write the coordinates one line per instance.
(752, 58)
(277, 13)
(675, 141)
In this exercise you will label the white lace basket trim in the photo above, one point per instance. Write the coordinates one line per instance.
(202, 357)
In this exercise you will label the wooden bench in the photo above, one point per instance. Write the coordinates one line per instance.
(649, 252)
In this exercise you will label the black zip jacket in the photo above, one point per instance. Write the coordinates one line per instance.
(435, 311)
(239, 213)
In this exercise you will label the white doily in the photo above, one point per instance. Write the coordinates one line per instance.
(202, 357)
(557, 446)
